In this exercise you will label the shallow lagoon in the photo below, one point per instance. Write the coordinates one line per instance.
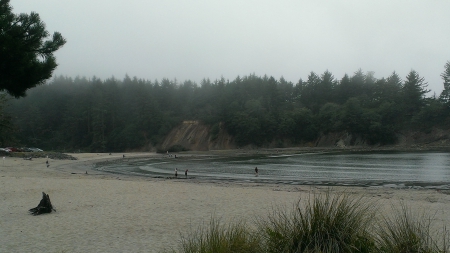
(394, 169)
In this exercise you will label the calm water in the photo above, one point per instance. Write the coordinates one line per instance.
(430, 169)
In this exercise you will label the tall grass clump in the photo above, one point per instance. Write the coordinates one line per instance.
(407, 232)
(220, 238)
(326, 223)
(323, 223)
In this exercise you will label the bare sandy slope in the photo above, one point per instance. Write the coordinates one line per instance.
(110, 213)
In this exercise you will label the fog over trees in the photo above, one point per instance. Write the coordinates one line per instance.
(117, 115)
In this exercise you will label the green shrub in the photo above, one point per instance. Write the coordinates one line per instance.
(214, 132)
(177, 148)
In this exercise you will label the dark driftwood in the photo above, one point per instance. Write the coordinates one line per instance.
(45, 206)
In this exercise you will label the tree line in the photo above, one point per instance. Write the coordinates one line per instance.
(117, 115)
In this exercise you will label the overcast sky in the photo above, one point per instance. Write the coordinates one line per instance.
(196, 39)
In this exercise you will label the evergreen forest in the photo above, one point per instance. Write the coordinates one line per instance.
(94, 115)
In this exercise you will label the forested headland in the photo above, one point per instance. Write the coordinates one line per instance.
(110, 115)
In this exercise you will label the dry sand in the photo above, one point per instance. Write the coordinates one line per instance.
(110, 213)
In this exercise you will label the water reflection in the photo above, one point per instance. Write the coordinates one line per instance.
(428, 168)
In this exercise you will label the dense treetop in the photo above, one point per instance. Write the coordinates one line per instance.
(117, 115)
(26, 56)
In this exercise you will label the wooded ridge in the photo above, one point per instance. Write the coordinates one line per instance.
(94, 115)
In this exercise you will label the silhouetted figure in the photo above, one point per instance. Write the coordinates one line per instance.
(256, 171)
(176, 172)
(185, 173)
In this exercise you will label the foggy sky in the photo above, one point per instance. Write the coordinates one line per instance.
(196, 39)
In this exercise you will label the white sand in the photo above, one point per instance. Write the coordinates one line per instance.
(110, 213)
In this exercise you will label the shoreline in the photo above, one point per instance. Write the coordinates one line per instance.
(118, 213)
(102, 167)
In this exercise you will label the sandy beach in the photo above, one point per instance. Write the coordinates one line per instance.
(98, 212)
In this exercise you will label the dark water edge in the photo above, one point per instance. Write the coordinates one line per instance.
(133, 167)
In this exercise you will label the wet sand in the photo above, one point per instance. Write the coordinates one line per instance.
(99, 212)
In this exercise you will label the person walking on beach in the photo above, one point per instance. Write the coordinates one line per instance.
(185, 173)
(176, 172)
(256, 171)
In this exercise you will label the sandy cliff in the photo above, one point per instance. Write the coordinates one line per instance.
(193, 135)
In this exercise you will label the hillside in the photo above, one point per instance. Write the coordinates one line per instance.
(257, 112)
(193, 135)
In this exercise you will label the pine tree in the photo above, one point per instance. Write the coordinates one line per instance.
(413, 92)
(445, 95)
(26, 58)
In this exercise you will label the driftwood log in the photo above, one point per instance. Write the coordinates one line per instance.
(45, 206)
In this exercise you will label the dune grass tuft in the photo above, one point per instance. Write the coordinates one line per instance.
(220, 238)
(324, 223)
(407, 232)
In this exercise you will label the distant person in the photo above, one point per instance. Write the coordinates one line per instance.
(256, 171)
(176, 172)
(185, 173)
(123, 156)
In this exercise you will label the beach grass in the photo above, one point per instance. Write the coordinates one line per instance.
(405, 231)
(323, 223)
(220, 238)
